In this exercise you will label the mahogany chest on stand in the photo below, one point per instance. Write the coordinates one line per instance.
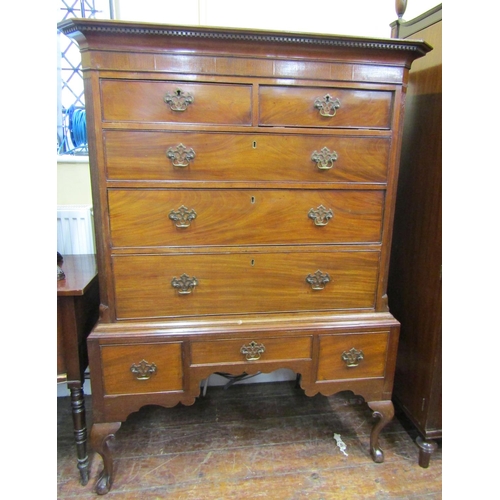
(244, 186)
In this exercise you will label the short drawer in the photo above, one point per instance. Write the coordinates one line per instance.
(175, 102)
(142, 368)
(189, 156)
(252, 349)
(181, 284)
(140, 217)
(352, 356)
(325, 107)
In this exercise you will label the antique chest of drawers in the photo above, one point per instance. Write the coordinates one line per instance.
(243, 186)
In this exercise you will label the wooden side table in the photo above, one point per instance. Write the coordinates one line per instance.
(77, 313)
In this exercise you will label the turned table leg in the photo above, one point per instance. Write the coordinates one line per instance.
(80, 430)
(427, 448)
(100, 436)
(384, 411)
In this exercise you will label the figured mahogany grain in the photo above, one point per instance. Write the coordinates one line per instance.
(372, 345)
(143, 101)
(229, 351)
(140, 155)
(294, 106)
(118, 360)
(243, 217)
(253, 282)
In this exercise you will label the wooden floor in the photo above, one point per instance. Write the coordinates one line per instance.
(253, 441)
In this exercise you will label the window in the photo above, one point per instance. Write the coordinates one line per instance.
(71, 117)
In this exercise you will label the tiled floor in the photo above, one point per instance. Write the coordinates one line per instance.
(253, 441)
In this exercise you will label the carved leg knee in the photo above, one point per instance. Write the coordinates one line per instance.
(100, 436)
(384, 410)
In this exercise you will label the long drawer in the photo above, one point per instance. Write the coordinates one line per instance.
(189, 156)
(185, 217)
(325, 107)
(176, 102)
(173, 285)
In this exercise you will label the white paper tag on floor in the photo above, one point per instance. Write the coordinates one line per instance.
(340, 444)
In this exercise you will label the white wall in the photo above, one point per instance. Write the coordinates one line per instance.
(342, 17)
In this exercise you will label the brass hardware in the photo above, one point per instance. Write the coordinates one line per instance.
(324, 158)
(327, 105)
(179, 100)
(180, 155)
(318, 280)
(352, 357)
(252, 351)
(144, 370)
(320, 215)
(184, 284)
(182, 217)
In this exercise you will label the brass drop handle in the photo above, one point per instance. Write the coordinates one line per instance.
(325, 158)
(180, 155)
(143, 370)
(252, 351)
(352, 357)
(327, 105)
(184, 284)
(178, 100)
(318, 280)
(182, 217)
(320, 215)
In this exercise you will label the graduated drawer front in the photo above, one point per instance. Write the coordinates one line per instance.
(157, 367)
(255, 349)
(332, 349)
(143, 101)
(242, 282)
(295, 107)
(248, 217)
(245, 157)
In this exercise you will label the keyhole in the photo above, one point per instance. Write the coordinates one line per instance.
(252, 262)
(254, 144)
(252, 199)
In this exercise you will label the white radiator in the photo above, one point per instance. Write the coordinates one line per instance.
(75, 229)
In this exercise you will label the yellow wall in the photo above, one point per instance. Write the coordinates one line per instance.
(73, 182)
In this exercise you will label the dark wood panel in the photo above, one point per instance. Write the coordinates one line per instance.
(415, 287)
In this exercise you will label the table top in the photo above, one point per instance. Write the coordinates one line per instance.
(80, 271)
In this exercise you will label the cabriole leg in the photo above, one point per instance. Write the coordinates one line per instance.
(384, 411)
(100, 436)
